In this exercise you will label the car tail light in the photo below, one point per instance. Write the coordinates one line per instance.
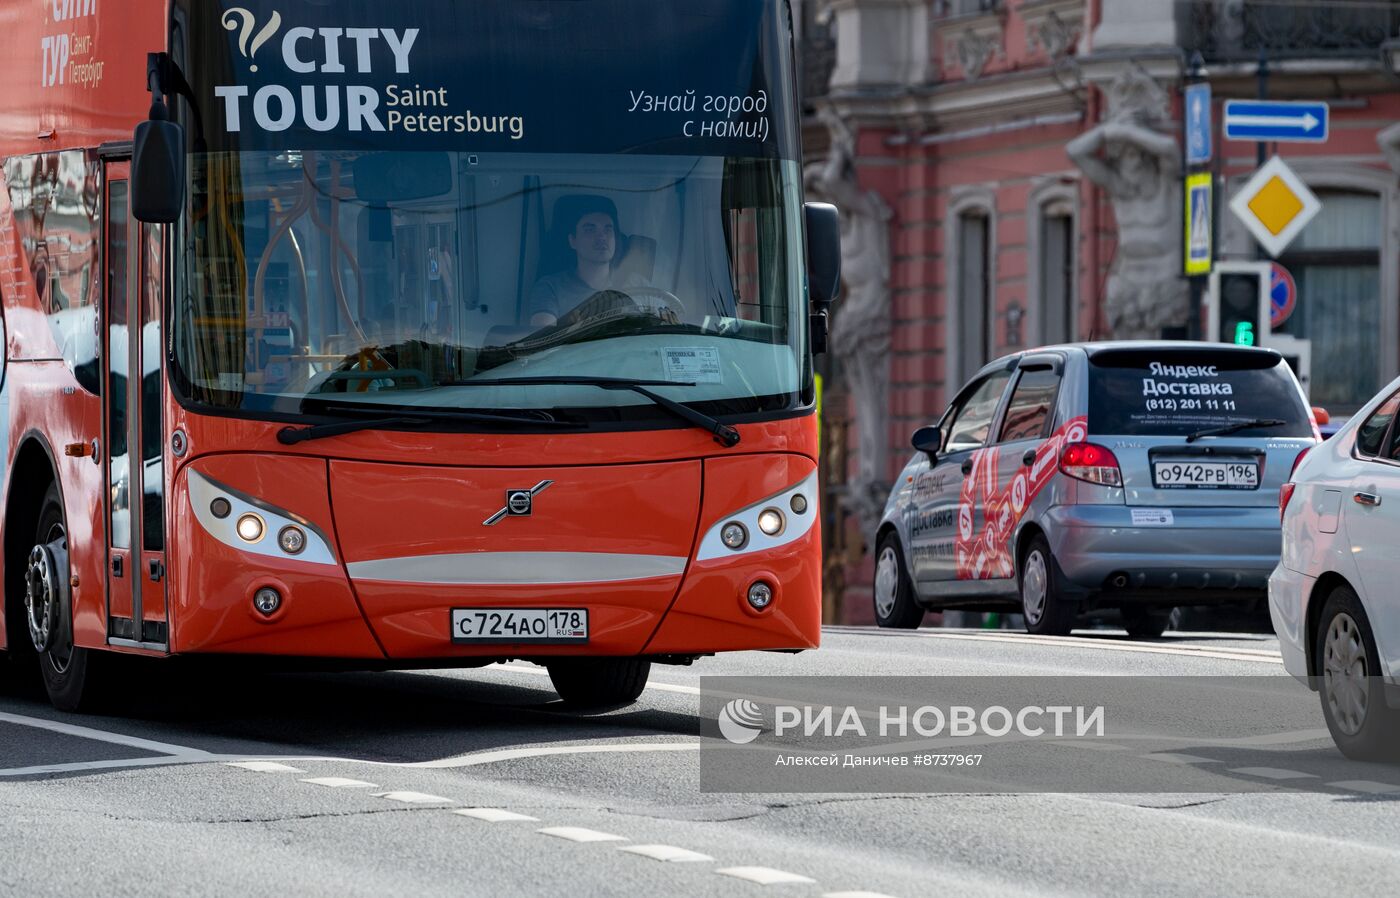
(1091, 463)
(1285, 492)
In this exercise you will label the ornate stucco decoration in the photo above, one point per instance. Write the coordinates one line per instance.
(973, 40)
(1053, 26)
(1139, 167)
(860, 333)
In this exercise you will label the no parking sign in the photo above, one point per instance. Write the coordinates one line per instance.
(1283, 296)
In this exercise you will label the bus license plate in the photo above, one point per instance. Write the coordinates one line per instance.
(1184, 475)
(542, 626)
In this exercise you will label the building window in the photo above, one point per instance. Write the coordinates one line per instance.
(1336, 263)
(971, 7)
(974, 290)
(1056, 272)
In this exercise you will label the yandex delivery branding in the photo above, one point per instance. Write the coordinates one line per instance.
(347, 62)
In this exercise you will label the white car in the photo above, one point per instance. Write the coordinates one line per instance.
(1335, 596)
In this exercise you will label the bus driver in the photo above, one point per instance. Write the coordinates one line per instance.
(593, 241)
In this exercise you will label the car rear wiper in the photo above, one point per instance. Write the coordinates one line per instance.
(726, 436)
(1236, 428)
(290, 436)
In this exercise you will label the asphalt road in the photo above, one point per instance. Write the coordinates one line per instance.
(482, 783)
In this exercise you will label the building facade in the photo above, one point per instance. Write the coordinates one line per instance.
(1022, 161)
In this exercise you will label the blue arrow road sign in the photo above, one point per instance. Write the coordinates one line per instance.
(1198, 149)
(1264, 120)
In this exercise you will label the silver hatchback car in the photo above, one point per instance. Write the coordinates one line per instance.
(1137, 476)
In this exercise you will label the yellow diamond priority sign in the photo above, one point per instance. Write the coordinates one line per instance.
(1275, 205)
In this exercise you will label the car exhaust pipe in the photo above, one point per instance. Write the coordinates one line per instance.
(1118, 581)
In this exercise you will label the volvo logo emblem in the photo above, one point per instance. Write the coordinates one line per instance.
(519, 503)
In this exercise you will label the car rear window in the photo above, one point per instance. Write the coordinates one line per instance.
(1176, 393)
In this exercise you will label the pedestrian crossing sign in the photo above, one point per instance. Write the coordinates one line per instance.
(1200, 247)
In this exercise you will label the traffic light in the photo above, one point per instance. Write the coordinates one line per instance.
(1240, 304)
(1239, 308)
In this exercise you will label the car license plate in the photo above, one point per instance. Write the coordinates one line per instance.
(1182, 475)
(542, 626)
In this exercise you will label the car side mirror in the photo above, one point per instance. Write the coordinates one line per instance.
(1321, 415)
(929, 441)
(823, 224)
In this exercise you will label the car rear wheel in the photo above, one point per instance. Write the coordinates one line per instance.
(1351, 687)
(1146, 623)
(599, 682)
(895, 605)
(1046, 612)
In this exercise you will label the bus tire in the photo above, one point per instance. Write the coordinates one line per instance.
(599, 682)
(67, 670)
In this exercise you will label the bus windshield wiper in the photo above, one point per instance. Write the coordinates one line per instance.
(1236, 428)
(290, 436)
(726, 436)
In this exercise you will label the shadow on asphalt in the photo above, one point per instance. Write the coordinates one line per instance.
(427, 715)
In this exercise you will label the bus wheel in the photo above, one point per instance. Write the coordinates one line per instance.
(48, 611)
(599, 682)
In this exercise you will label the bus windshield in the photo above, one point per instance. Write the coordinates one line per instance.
(376, 219)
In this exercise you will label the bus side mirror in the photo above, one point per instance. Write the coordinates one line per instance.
(929, 440)
(158, 172)
(823, 266)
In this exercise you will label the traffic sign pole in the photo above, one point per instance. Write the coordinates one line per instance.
(1198, 250)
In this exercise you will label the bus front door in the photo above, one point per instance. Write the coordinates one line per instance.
(132, 431)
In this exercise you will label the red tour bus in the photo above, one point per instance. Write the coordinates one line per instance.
(409, 334)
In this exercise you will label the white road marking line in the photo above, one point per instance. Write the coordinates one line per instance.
(266, 767)
(764, 876)
(668, 853)
(580, 834)
(68, 729)
(1254, 655)
(512, 754)
(415, 797)
(527, 668)
(1172, 757)
(88, 766)
(1102, 638)
(1273, 773)
(339, 782)
(1370, 787)
(495, 815)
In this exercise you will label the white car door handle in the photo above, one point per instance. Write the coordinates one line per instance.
(1370, 500)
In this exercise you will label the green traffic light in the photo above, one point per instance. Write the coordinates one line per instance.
(1244, 333)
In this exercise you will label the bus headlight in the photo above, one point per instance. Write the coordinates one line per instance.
(734, 535)
(764, 525)
(244, 523)
(292, 539)
(251, 528)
